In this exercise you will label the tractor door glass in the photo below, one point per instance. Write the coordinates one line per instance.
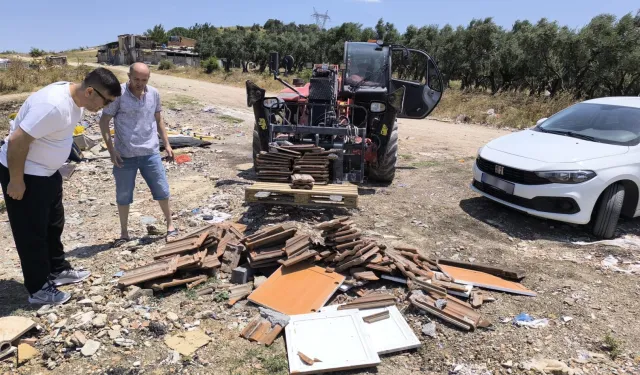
(366, 66)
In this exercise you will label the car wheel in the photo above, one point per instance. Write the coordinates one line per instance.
(608, 211)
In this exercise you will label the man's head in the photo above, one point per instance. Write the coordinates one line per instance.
(99, 88)
(139, 74)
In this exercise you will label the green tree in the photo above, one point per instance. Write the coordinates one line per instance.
(157, 34)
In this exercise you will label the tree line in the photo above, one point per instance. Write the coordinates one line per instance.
(599, 59)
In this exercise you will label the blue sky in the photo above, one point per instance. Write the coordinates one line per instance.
(66, 24)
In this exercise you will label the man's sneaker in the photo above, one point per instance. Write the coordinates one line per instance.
(49, 295)
(69, 276)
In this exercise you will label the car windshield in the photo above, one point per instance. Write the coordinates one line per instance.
(365, 65)
(604, 123)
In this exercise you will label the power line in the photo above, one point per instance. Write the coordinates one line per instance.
(321, 19)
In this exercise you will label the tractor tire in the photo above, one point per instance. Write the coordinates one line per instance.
(257, 147)
(385, 169)
(608, 211)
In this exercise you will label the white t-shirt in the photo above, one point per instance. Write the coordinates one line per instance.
(49, 115)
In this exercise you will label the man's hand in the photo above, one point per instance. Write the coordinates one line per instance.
(169, 151)
(115, 158)
(16, 189)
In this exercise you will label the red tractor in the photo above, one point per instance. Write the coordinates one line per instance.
(350, 109)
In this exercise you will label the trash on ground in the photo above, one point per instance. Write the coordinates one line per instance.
(387, 335)
(485, 280)
(525, 320)
(186, 343)
(337, 338)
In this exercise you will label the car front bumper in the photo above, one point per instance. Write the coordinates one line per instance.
(571, 203)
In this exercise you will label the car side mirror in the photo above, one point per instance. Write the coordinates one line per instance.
(274, 62)
(541, 121)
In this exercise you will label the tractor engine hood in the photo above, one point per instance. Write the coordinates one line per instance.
(288, 95)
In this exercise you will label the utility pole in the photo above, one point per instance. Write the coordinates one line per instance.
(321, 19)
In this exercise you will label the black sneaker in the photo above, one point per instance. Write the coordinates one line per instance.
(49, 295)
(69, 276)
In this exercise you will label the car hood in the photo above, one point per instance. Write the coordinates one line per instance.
(553, 148)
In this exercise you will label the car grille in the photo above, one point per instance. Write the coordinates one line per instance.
(510, 174)
(556, 205)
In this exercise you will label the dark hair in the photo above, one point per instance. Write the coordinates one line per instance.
(103, 79)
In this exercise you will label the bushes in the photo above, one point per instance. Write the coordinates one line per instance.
(210, 65)
(166, 65)
(36, 52)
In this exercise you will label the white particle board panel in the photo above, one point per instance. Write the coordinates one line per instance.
(337, 339)
(388, 335)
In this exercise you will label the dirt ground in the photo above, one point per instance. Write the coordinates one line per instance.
(590, 310)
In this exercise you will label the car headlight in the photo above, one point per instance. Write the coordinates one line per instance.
(567, 177)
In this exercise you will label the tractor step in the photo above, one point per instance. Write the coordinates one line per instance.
(331, 195)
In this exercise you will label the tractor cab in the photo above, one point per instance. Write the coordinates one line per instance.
(366, 66)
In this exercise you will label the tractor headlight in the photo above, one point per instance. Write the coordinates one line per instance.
(567, 177)
(273, 103)
(377, 107)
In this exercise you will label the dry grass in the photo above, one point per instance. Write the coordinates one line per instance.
(82, 57)
(515, 110)
(20, 78)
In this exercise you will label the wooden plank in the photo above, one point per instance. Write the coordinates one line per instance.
(505, 273)
(377, 317)
(485, 280)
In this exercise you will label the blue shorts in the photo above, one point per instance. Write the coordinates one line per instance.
(151, 169)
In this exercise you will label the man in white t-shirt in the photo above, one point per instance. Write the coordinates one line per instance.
(39, 143)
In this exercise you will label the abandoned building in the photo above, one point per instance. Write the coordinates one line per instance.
(132, 48)
(181, 41)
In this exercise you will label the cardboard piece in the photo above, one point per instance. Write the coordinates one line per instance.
(187, 343)
(387, 335)
(485, 280)
(12, 327)
(298, 289)
(336, 340)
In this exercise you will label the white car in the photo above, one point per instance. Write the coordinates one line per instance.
(581, 165)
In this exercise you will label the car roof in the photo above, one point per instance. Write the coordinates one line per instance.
(625, 101)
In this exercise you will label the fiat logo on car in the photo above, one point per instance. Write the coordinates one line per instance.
(499, 170)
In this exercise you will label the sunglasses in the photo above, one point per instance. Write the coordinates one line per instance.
(106, 101)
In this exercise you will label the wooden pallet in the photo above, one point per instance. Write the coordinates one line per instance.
(345, 195)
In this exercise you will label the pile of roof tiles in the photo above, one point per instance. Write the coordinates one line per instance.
(276, 165)
(278, 245)
(431, 282)
(281, 162)
(187, 260)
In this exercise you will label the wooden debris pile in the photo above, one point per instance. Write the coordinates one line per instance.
(281, 162)
(315, 164)
(187, 260)
(348, 251)
(276, 165)
(276, 246)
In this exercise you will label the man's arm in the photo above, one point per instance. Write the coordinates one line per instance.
(106, 136)
(17, 150)
(163, 134)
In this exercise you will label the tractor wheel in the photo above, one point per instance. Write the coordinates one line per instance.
(385, 170)
(608, 211)
(257, 147)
